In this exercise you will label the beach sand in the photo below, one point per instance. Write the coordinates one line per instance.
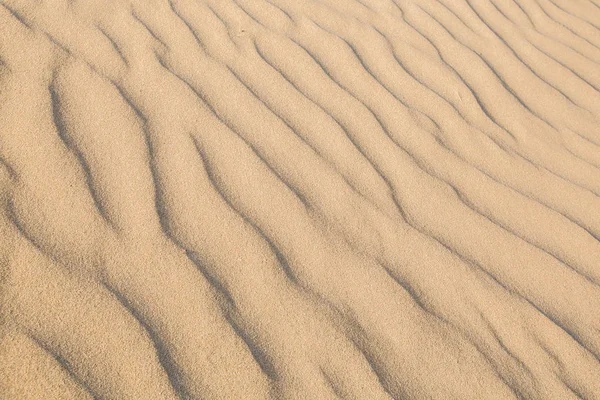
(299, 199)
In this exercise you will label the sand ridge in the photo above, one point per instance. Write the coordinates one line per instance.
(315, 199)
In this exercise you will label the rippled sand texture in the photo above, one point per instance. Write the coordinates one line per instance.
(253, 199)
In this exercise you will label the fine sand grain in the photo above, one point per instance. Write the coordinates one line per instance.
(299, 199)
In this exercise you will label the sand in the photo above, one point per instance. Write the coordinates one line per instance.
(299, 199)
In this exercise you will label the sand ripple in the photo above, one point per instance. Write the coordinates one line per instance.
(355, 199)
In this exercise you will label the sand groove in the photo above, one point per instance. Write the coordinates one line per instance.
(355, 199)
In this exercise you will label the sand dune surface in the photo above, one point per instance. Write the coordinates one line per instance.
(299, 199)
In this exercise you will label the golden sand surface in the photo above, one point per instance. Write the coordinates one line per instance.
(299, 199)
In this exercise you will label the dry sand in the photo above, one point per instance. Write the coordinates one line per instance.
(299, 199)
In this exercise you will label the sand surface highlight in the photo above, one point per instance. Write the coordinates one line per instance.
(314, 199)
